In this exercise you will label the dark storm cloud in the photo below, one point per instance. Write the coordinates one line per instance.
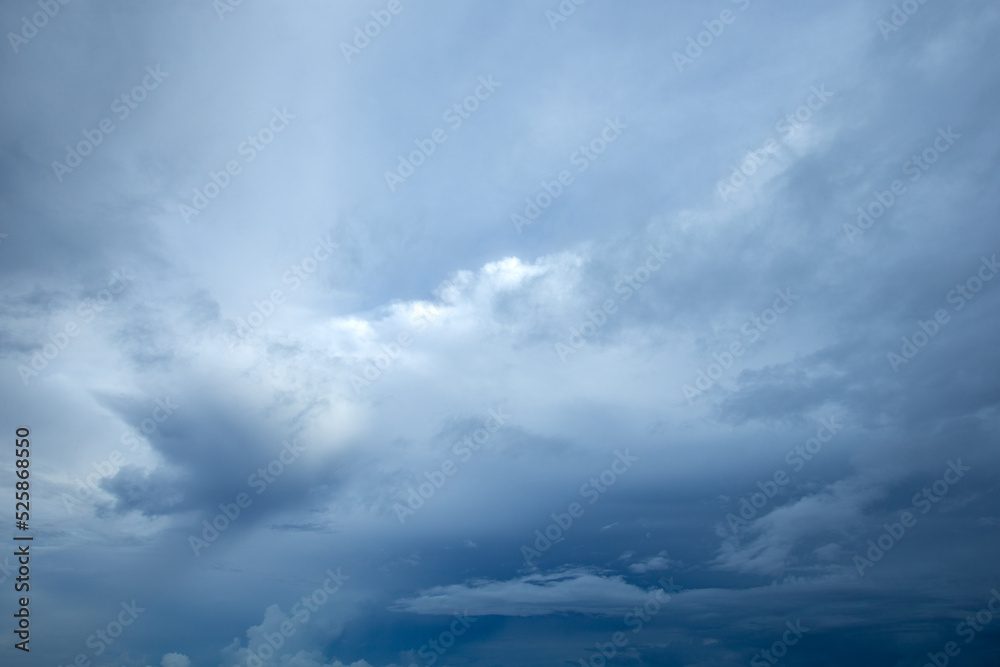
(607, 325)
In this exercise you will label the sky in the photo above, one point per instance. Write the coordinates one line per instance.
(394, 333)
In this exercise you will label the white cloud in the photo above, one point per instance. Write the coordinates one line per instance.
(579, 590)
(175, 660)
(653, 564)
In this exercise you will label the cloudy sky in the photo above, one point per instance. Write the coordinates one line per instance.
(398, 333)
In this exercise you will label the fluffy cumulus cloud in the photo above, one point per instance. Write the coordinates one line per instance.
(280, 641)
(370, 335)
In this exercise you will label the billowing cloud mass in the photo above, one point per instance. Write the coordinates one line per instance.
(379, 334)
(175, 660)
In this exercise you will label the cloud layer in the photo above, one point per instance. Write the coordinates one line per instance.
(323, 316)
